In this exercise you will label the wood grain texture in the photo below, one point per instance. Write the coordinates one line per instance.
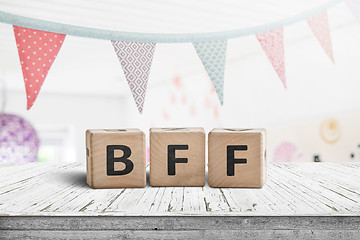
(181, 227)
(304, 234)
(292, 189)
(83, 223)
(187, 174)
(249, 174)
(299, 201)
(97, 142)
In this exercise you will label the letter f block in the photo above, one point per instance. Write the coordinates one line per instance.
(177, 157)
(237, 158)
(115, 158)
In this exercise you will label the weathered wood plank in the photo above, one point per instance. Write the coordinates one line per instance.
(206, 234)
(180, 227)
(161, 223)
(322, 189)
(312, 190)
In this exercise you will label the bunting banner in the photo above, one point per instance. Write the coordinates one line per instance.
(135, 59)
(37, 52)
(272, 43)
(354, 6)
(319, 25)
(38, 48)
(213, 55)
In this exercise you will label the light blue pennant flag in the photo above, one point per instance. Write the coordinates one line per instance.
(213, 56)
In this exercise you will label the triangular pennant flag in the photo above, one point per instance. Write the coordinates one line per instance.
(136, 59)
(37, 52)
(272, 43)
(319, 25)
(213, 55)
(354, 6)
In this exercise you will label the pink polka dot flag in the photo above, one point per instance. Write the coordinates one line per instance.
(37, 52)
(272, 43)
(319, 25)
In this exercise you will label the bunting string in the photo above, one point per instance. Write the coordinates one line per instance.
(158, 37)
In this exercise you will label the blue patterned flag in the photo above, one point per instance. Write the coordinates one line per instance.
(213, 56)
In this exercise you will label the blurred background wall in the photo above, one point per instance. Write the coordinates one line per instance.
(86, 87)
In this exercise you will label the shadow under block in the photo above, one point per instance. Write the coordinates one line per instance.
(237, 158)
(177, 157)
(115, 158)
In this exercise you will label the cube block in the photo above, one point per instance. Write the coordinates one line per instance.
(116, 158)
(237, 158)
(177, 157)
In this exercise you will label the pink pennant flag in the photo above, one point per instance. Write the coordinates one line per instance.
(319, 25)
(272, 43)
(136, 59)
(37, 52)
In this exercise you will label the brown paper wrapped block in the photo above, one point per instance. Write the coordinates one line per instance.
(115, 158)
(177, 157)
(237, 158)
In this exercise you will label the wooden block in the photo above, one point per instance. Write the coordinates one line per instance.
(237, 158)
(177, 157)
(115, 158)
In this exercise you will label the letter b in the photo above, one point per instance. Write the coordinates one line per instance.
(110, 160)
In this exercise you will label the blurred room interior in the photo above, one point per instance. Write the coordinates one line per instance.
(317, 118)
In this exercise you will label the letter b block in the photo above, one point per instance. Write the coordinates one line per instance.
(177, 157)
(237, 158)
(115, 158)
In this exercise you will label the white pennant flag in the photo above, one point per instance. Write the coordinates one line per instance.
(136, 59)
(354, 6)
(319, 25)
(272, 42)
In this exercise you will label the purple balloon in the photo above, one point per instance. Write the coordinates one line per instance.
(19, 141)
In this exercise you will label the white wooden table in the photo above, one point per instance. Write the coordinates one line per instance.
(299, 200)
